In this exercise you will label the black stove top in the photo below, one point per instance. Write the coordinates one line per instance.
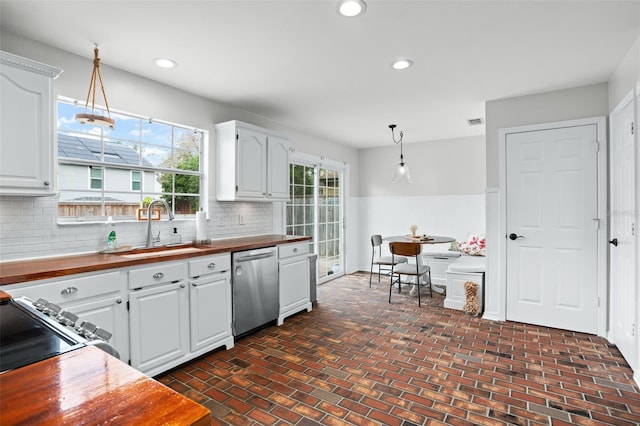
(26, 338)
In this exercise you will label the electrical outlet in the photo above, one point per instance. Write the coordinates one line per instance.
(240, 219)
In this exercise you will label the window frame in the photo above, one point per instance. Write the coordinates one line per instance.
(93, 178)
(138, 181)
(176, 138)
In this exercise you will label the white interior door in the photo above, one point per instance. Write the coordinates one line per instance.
(622, 228)
(551, 204)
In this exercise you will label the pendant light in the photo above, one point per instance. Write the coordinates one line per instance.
(401, 173)
(93, 118)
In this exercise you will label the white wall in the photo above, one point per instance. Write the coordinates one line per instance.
(445, 198)
(559, 105)
(28, 225)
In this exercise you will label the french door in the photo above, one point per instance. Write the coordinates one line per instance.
(316, 209)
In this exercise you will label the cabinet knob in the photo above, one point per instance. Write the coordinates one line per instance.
(119, 301)
(158, 275)
(46, 183)
(194, 284)
(295, 250)
(182, 286)
(69, 290)
(211, 265)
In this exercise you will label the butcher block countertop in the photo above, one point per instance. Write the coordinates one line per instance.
(88, 386)
(37, 269)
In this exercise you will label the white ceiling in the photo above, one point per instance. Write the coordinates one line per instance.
(299, 63)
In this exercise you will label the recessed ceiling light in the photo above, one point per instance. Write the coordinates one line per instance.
(351, 8)
(165, 62)
(401, 64)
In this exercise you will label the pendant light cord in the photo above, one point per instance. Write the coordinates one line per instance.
(92, 84)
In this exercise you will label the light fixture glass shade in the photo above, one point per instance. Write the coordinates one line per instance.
(351, 8)
(401, 174)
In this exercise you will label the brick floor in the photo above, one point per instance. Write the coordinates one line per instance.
(358, 360)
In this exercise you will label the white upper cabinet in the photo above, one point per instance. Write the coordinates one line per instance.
(27, 129)
(252, 163)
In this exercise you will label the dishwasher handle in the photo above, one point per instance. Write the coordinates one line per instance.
(255, 257)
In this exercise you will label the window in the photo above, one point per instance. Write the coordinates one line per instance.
(136, 180)
(95, 177)
(140, 160)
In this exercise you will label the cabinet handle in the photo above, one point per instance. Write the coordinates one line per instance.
(69, 290)
(211, 265)
(158, 275)
(119, 301)
(194, 284)
(46, 183)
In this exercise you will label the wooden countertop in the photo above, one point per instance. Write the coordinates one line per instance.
(88, 386)
(37, 269)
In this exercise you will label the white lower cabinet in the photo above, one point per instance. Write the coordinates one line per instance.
(98, 298)
(210, 303)
(158, 316)
(178, 311)
(159, 321)
(294, 273)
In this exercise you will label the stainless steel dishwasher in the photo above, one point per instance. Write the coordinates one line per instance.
(256, 299)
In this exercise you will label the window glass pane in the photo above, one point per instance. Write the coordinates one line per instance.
(186, 160)
(126, 130)
(158, 134)
(156, 156)
(121, 152)
(80, 204)
(184, 184)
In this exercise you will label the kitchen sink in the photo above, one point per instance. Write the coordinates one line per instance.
(159, 251)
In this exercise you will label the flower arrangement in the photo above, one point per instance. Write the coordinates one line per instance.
(474, 246)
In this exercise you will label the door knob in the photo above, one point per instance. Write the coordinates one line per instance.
(514, 237)
(614, 242)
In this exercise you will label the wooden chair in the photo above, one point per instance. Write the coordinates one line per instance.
(418, 270)
(382, 262)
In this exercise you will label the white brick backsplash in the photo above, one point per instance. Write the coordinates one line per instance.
(28, 227)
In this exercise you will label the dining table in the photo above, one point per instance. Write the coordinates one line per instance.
(422, 239)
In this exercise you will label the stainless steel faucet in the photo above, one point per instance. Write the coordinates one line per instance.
(166, 206)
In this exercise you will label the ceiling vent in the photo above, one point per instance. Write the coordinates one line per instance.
(474, 121)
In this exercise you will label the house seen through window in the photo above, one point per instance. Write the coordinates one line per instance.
(115, 172)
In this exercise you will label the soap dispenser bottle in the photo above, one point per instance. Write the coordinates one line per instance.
(111, 238)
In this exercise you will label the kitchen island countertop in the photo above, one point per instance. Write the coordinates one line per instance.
(88, 386)
(20, 271)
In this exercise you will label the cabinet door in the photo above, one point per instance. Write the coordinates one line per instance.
(110, 314)
(251, 164)
(159, 325)
(210, 303)
(27, 133)
(294, 283)
(278, 168)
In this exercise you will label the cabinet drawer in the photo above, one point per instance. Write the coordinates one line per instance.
(71, 289)
(209, 265)
(157, 274)
(293, 249)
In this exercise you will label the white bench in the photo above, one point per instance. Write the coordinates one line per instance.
(462, 270)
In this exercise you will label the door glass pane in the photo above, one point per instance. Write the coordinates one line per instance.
(310, 185)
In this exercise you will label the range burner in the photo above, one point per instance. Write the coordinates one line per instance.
(34, 331)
